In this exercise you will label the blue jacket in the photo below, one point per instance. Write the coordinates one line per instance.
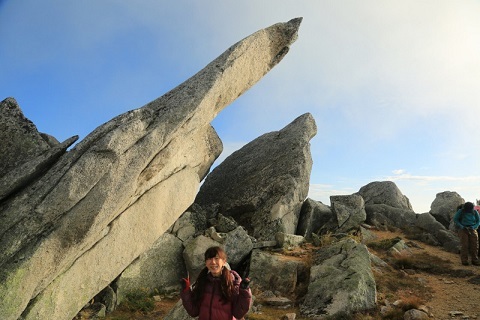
(467, 219)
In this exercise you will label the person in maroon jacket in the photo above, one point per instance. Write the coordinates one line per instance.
(219, 293)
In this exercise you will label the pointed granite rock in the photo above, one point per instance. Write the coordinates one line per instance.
(263, 184)
(117, 191)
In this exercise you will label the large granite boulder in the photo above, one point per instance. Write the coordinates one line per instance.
(445, 205)
(341, 281)
(74, 228)
(263, 184)
(384, 192)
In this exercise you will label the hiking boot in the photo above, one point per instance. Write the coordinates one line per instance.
(476, 263)
(465, 263)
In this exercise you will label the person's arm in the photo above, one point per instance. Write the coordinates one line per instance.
(456, 219)
(188, 303)
(187, 298)
(477, 219)
(242, 301)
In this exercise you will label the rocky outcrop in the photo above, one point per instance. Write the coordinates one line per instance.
(341, 281)
(384, 192)
(445, 205)
(288, 276)
(349, 211)
(26, 153)
(434, 230)
(71, 231)
(261, 185)
(384, 217)
(20, 140)
(314, 216)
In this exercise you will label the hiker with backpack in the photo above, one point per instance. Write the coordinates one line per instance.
(468, 220)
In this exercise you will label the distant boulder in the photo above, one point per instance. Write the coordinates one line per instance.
(194, 254)
(445, 205)
(263, 185)
(237, 245)
(384, 192)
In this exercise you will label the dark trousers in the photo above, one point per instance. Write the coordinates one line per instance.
(469, 244)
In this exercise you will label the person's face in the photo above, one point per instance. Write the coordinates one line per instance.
(215, 265)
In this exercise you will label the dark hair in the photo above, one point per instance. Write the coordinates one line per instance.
(226, 278)
(468, 207)
(212, 252)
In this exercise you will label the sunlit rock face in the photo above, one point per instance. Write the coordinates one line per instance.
(70, 228)
(263, 185)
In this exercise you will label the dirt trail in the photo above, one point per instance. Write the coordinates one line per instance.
(458, 295)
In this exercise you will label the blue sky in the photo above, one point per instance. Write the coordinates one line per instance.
(394, 86)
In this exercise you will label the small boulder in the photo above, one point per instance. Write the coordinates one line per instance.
(288, 241)
(414, 314)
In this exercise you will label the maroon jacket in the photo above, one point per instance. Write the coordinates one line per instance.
(212, 307)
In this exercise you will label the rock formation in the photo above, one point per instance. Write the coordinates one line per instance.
(71, 229)
(263, 185)
(445, 205)
(314, 215)
(108, 217)
(349, 211)
(341, 281)
(384, 192)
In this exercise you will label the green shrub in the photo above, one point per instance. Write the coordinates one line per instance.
(139, 300)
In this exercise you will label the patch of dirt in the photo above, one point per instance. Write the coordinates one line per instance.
(455, 294)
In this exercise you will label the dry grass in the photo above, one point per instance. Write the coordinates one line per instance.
(423, 262)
